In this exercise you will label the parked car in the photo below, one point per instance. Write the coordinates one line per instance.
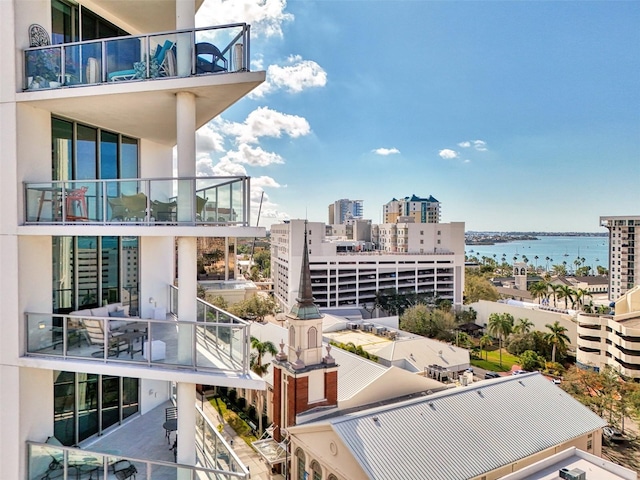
(488, 375)
(518, 372)
(612, 434)
(557, 381)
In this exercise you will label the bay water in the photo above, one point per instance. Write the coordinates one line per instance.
(559, 249)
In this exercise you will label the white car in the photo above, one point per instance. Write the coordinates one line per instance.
(612, 434)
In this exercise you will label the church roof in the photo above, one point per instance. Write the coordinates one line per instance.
(462, 432)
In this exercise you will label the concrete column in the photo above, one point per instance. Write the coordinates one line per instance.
(187, 252)
(186, 426)
(185, 19)
(186, 150)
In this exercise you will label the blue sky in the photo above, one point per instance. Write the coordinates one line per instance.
(515, 115)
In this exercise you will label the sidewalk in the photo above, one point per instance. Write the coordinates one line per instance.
(258, 469)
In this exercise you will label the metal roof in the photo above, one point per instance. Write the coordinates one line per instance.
(465, 432)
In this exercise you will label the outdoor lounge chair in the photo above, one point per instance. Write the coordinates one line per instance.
(207, 58)
(163, 63)
(96, 335)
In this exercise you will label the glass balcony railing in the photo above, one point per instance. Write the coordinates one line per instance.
(212, 450)
(180, 53)
(49, 461)
(168, 201)
(220, 344)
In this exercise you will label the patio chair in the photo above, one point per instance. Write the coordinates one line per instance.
(207, 58)
(170, 413)
(159, 65)
(124, 469)
(76, 204)
(136, 206)
(200, 203)
(118, 209)
(96, 335)
(164, 211)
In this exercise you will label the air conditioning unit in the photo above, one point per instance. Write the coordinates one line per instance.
(367, 327)
(575, 474)
(352, 326)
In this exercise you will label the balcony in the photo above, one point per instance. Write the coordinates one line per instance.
(215, 343)
(222, 201)
(131, 81)
(153, 458)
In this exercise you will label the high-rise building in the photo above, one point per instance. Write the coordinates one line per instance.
(624, 253)
(408, 258)
(422, 210)
(98, 329)
(345, 211)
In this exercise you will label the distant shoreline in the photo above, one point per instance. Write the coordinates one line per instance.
(492, 238)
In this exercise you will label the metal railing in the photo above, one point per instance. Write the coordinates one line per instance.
(49, 461)
(178, 53)
(218, 344)
(153, 201)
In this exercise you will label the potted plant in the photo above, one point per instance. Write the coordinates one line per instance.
(44, 66)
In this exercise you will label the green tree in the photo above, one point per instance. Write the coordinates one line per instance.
(530, 360)
(478, 288)
(522, 325)
(557, 338)
(500, 325)
(554, 287)
(416, 320)
(559, 270)
(485, 341)
(566, 292)
(539, 290)
(259, 368)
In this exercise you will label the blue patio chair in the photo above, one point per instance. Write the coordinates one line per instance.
(161, 64)
(207, 58)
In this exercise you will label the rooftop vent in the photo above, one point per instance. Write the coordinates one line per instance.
(575, 474)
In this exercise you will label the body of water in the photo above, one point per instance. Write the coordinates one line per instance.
(558, 248)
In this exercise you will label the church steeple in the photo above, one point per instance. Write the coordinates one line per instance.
(305, 308)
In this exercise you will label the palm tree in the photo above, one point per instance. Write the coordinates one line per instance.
(536, 260)
(554, 291)
(581, 294)
(557, 338)
(260, 369)
(547, 259)
(485, 341)
(539, 289)
(500, 325)
(523, 326)
(566, 292)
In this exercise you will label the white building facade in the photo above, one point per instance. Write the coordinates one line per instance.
(624, 253)
(348, 273)
(422, 210)
(92, 105)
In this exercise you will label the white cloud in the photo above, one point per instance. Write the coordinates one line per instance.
(264, 181)
(467, 161)
(264, 122)
(254, 156)
(385, 151)
(448, 154)
(294, 76)
(480, 145)
(209, 140)
(225, 168)
(266, 17)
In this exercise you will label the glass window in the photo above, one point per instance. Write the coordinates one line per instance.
(62, 149)
(64, 22)
(86, 404)
(63, 274)
(301, 466)
(87, 399)
(86, 162)
(317, 471)
(110, 270)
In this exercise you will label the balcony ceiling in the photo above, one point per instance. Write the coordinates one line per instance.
(145, 109)
(139, 16)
